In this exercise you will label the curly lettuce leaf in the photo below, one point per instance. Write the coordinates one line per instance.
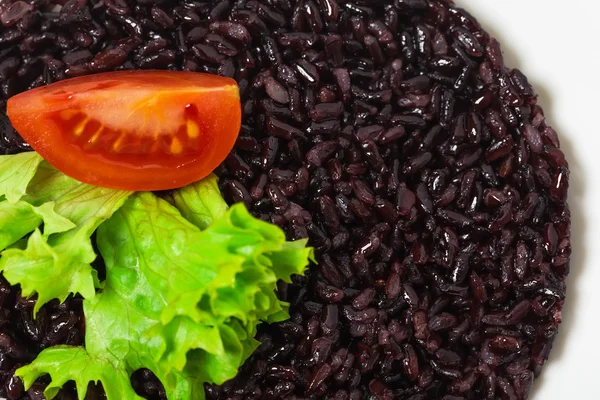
(86, 205)
(55, 216)
(60, 360)
(16, 171)
(200, 204)
(178, 300)
(20, 218)
(51, 272)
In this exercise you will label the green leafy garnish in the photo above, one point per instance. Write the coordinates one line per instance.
(188, 280)
(57, 262)
(16, 172)
(200, 204)
(62, 361)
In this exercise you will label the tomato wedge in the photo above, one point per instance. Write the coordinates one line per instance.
(132, 130)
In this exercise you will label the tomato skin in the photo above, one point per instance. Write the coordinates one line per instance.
(132, 130)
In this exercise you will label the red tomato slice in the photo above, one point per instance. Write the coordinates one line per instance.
(132, 130)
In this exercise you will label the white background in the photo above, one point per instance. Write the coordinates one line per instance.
(556, 43)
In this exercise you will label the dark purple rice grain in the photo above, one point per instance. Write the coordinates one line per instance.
(392, 136)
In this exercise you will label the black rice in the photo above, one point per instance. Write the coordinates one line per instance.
(392, 135)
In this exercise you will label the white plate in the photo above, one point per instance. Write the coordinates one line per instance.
(556, 44)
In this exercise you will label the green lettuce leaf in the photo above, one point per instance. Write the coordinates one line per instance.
(20, 218)
(60, 360)
(16, 171)
(182, 299)
(51, 272)
(86, 205)
(36, 198)
(200, 204)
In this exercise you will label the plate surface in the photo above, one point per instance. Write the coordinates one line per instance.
(555, 43)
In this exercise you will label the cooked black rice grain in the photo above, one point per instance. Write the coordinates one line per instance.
(390, 134)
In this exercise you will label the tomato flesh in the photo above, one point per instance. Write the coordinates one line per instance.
(132, 130)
